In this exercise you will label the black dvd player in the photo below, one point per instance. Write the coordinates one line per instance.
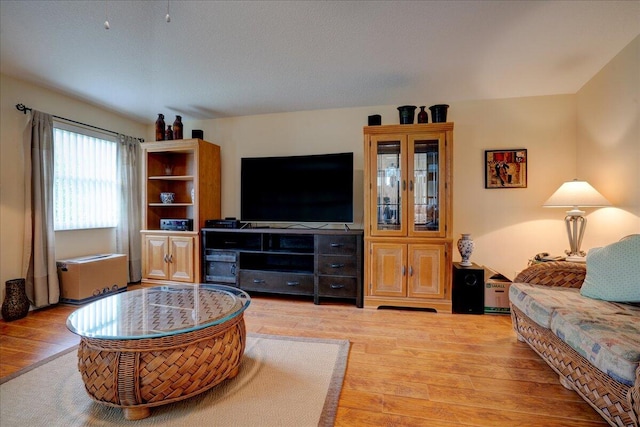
(183, 224)
(222, 223)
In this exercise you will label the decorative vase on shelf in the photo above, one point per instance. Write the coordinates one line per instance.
(16, 304)
(439, 113)
(177, 128)
(423, 117)
(160, 128)
(407, 113)
(465, 247)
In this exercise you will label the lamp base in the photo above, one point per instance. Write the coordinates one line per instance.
(576, 258)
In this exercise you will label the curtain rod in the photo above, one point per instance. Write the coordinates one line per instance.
(24, 109)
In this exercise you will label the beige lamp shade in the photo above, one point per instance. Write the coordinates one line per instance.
(576, 193)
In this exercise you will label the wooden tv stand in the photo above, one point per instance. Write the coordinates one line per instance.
(303, 262)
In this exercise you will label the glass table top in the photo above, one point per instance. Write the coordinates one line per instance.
(157, 312)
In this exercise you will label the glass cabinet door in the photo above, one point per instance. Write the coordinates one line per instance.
(388, 192)
(426, 185)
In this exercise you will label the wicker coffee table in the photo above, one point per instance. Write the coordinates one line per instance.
(154, 346)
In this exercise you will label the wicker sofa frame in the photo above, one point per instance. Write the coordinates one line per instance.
(617, 403)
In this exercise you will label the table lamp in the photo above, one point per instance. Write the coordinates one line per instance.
(575, 194)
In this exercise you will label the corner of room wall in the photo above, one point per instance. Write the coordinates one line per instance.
(608, 142)
(509, 226)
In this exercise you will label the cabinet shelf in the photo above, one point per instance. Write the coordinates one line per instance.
(172, 177)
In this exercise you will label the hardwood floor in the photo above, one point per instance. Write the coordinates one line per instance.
(405, 368)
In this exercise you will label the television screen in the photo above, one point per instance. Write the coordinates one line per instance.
(311, 188)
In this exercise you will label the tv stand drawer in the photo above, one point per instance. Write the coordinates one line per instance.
(276, 282)
(338, 287)
(334, 244)
(337, 265)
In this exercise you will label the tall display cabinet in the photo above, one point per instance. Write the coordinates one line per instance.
(190, 169)
(408, 226)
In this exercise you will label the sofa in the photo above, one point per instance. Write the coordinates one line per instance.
(591, 341)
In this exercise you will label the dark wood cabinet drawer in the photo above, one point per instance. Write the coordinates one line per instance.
(337, 265)
(276, 282)
(337, 245)
(342, 287)
(220, 266)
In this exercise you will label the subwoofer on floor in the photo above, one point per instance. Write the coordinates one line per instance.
(468, 289)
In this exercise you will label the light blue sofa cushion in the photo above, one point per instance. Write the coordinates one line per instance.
(613, 271)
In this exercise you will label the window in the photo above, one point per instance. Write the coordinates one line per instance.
(85, 179)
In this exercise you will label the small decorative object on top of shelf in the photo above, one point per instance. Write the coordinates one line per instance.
(374, 120)
(465, 247)
(177, 128)
(423, 117)
(169, 133)
(160, 128)
(407, 113)
(16, 304)
(439, 113)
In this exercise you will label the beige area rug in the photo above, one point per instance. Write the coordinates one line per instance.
(283, 381)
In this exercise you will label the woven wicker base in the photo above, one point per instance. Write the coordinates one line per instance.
(611, 399)
(138, 374)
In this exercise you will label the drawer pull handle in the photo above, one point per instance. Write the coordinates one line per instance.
(336, 265)
(293, 283)
(336, 286)
(258, 280)
(337, 245)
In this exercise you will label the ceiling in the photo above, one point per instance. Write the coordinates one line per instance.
(233, 58)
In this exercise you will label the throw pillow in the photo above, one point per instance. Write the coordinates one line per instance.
(613, 271)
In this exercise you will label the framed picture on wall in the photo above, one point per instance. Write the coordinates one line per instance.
(505, 168)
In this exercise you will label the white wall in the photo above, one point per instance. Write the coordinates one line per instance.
(592, 135)
(508, 225)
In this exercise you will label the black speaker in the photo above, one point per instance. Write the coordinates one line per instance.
(468, 289)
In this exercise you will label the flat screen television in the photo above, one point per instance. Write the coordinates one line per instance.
(309, 188)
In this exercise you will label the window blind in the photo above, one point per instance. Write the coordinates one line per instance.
(85, 180)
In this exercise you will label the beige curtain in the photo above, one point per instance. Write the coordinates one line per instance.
(128, 239)
(39, 259)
